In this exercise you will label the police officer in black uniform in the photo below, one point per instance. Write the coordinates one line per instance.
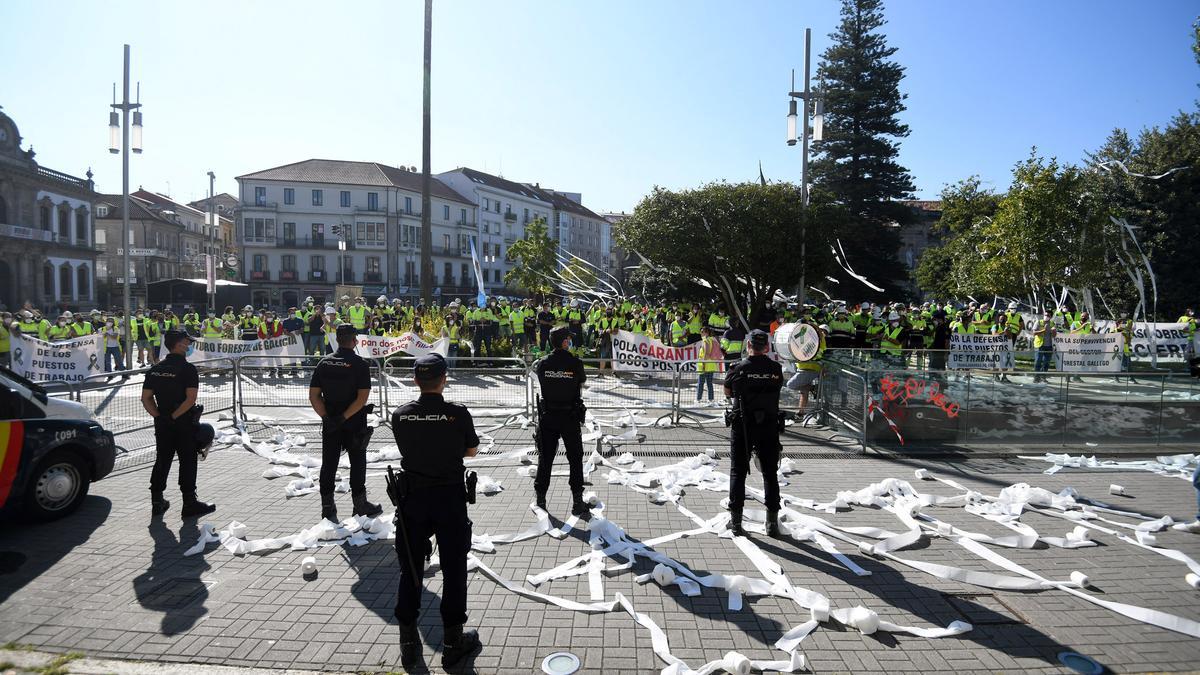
(338, 392)
(169, 395)
(560, 414)
(433, 437)
(754, 384)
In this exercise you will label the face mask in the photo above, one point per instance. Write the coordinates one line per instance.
(141, 316)
(62, 323)
(108, 325)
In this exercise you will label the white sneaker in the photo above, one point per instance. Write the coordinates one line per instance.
(1193, 526)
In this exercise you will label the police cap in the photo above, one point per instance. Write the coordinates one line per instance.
(173, 337)
(558, 335)
(205, 433)
(758, 338)
(429, 367)
(346, 330)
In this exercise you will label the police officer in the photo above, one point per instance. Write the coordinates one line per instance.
(338, 392)
(754, 384)
(169, 395)
(560, 414)
(433, 437)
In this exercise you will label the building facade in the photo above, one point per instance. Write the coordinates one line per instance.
(47, 245)
(158, 246)
(505, 208)
(293, 217)
(578, 230)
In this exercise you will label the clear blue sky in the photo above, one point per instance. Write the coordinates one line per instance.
(606, 98)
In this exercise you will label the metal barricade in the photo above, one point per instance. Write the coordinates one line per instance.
(698, 397)
(115, 400)
(653, 393)
(842, 400)
(489, 387)
(274, 389)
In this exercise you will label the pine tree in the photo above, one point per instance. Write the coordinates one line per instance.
(856, 160)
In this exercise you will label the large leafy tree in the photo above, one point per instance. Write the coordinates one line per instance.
(857, 160)
(738, 241)
(952, 270)
(536, 266)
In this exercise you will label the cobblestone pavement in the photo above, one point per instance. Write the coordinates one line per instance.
(113, 583)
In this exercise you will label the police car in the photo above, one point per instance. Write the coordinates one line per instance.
(50, 451)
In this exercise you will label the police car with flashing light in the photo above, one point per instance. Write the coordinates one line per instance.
(51, 450)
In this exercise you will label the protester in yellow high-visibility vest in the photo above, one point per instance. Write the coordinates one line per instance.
(1043, 344)
(6, 322)
(891, 339)
(154, 330)
(709, 360)
(678, 331)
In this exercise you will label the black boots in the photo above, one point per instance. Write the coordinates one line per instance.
(458, 644)
(194, 507)
(735, 524)
(410, 644)
(362, 507)
(158, 504)
(328, 508)
(772, 523)
(580, 507)
(541, 501)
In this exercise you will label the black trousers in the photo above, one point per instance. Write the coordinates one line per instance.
(169, 441)
(354, 442)
(441, 512)
(763, 439)
(552, 427)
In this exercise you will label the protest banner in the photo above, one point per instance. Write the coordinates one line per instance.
(1088, 353)
(968, 350)
(382, 346)
(208, 348)
(63, 361)
(1171, 340)
(644, 354)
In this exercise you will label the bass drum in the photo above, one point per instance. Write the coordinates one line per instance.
(797, 341)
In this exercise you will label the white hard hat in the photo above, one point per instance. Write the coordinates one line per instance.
(382, 298)
(866, 305)
(67, 315)
(308, 299)
(247, 308)
(1012, 305)
(27, 314)
(893, 317)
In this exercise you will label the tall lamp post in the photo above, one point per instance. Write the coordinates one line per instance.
(426, 234)
(813, 106)
(210, 269)
(118, 141)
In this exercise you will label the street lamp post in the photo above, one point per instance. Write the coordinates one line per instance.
(211, 258)
(812, 106)
(121, 134)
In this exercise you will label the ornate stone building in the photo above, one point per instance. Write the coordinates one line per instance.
(47, 242)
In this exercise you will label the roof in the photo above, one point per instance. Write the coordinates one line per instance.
(498, 183)
(923, 205)
(139, 209)
(163, 201)
(565, 203)
(338, 171)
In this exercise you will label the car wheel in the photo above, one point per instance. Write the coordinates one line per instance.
(57, 486)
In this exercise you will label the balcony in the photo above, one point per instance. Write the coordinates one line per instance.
(260, 275)
(510, 217)
(316, 275)
(329, 242)
(263, 205)
(26, 233)
(378, 210)
(288, 275)
(465, 223)
(372, 277)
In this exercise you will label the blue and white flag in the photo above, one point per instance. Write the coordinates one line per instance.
(481, 297)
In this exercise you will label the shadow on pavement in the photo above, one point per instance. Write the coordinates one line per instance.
(172, 584)
(28, 551)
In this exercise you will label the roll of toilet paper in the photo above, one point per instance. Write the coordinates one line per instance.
(711, 452)
(820, 614)
(922, 474)
(1080, 579)
(591, 498)
(1193, 580)
(736, 663)
(1080, 533)
(663, 574)
(945, 529)
(866, 548)
(1146, 539)
(308, 565)
(865, 620)
(1115, 489)
(238, 530)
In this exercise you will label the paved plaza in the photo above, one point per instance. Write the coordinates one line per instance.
(112, 582)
